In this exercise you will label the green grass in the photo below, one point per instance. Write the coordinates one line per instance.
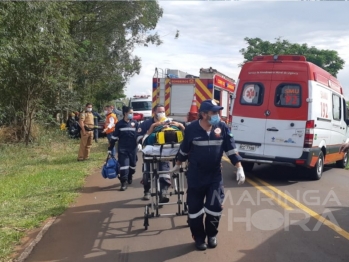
(38, 182)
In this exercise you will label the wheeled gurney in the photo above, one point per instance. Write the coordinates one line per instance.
(154, 155)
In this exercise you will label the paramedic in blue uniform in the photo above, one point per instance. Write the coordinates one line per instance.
(126, 133)
(145, 129)
(204, 142)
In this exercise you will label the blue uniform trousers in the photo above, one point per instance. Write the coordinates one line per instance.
(203, 199)
(127, 161)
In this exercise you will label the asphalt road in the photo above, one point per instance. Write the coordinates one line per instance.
(277, 215)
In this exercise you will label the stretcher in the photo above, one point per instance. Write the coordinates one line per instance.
(154, 155)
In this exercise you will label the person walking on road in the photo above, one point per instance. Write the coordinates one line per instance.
(126, 133)
(109, 127)
(86, 123)
(204, 142)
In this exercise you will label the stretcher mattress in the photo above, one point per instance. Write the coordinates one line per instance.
(164, 150)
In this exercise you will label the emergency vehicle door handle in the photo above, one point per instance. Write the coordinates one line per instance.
(272, 129)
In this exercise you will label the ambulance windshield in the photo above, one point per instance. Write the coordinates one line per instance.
(141, 105)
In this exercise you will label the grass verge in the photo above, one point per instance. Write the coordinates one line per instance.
(39, 182)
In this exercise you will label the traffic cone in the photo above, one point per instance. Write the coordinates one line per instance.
(193, 113)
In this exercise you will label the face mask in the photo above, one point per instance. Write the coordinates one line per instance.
(160, 116)
(89, 109)
(130, 116)
(214, 120)
(105, 112)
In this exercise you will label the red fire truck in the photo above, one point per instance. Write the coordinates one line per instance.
(178, 90)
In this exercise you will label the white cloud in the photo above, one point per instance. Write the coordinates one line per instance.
(213, 32)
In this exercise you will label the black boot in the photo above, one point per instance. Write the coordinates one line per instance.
(123, 186)
(200, 245)
(212, 242)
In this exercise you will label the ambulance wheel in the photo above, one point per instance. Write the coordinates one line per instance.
(248, 166)
(344, 162)
(316, 172)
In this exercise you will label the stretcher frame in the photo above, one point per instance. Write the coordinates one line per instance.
(178, 178)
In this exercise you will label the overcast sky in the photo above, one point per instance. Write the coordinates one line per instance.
(213, 32)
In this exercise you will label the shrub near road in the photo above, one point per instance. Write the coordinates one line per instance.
(38, 182)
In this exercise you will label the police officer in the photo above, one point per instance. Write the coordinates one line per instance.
(203, 145)
(145, 129)
(86, 123)
(126, 133)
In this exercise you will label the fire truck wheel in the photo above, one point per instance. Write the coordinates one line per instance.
(344, 162)
(248, 166)
(316, 171)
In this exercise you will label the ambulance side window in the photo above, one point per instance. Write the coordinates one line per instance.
(252, 94)
(337, 107)
(288, 95)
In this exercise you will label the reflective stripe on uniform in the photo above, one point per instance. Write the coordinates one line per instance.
(208, 143)
(124, 167)
(132, 167)
(192, 216)
(182, 153)
(128, 129)
(212, 213)
(165, 176)
(115, 137)
(231, 152)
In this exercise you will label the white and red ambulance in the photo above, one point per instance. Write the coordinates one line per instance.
(289, 111)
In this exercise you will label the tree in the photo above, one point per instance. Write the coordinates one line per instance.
(326, 59)
(106, 33)
(54, 55)
(36, 53)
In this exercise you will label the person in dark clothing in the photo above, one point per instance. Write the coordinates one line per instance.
(73, 126)
(204, 142)
(96, 119)
(126, 133)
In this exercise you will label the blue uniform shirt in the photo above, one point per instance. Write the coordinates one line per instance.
(126, 134)
(144, 127)
(204, 152)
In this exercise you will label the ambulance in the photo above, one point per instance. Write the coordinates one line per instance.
(178, 91)
(289, 111)
(142, 105)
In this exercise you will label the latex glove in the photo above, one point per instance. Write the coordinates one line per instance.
(175, 168)
(344, 147)
(240, 176)
(140, 147)
(109, 152)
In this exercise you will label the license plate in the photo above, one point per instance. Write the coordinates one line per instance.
(248, 147)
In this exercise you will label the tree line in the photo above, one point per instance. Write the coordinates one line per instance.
(56, 55)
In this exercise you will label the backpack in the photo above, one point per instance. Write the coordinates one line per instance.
(110, 169)
(161, 136)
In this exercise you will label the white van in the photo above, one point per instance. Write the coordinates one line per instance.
(142, 104)
(289, 111)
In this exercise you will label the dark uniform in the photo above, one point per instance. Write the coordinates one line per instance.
(96, 119)
(204, 153)
(126, 134)
(164, 179)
